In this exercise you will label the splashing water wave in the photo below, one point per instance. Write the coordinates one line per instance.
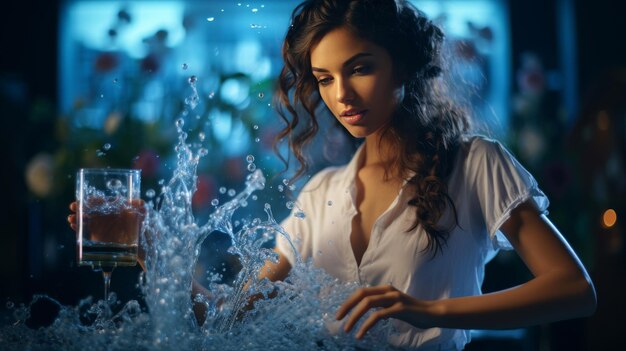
(300, 316)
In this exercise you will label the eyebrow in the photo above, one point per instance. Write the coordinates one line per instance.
(347, 63)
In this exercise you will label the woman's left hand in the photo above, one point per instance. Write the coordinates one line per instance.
(389, 302)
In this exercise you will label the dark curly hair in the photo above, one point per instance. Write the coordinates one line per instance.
(426, 126)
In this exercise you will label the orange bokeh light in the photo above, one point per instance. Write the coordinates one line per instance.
(609, 218)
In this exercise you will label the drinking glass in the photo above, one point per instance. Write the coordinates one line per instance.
(109, 218)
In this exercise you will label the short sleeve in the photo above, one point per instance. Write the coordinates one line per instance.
(501, 184)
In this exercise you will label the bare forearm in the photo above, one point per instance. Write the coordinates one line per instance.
(545, 299)
(271, 270)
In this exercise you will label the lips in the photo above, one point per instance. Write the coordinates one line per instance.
(352, 116)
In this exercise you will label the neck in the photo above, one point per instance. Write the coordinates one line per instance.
(377, 151)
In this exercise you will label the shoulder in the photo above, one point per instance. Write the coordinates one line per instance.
(480, 156)
(478, 150)
(481, 146)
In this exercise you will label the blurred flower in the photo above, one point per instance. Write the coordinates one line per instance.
(531, 143)
(150, 63)
(148, 162)
(530, 77)
(39, 174)
(234, 169)
(112, 122)
(205, 192)
(105, 62)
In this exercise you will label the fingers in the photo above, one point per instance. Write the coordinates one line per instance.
(71, 220)
(377, 316)
(359, 295)
(368, 303)
(73, 206)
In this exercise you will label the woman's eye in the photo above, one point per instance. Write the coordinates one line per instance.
(323, 81)
(361, 70)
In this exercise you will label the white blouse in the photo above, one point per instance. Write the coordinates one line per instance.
(486, 184)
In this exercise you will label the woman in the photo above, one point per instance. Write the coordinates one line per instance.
(422, 206)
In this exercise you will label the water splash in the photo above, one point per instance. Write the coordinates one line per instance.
(300, 316)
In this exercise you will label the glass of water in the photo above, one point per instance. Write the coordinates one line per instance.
(109, 217)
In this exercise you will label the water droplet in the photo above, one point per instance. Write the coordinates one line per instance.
(215, 202)
(238, 4)
(280, 188)
(114, 184)
(251, 167)
(211, 95)
(289, 204)
(102, 95)
(261, 95)
(203, 152)
(300, 215)
(210, 19)
(106, 146)
(319, 252)
(184, 66)
(286, 182)
(115, 80)
(150, 193)
(255, 127)
(255, 10)
(256, 140)
(254, 197)
(267, 206)
(180, 123)
(231, 192)
(99, 153)
(222, 190)
(10, 305)
(201, 136)
(292, 187)
(193, 79)
(330, 203)
(250, 158)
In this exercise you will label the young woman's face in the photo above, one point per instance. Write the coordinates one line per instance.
(355, 80)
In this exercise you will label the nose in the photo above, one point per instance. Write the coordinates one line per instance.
(345, 93)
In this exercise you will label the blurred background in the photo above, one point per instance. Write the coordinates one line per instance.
(100, 84)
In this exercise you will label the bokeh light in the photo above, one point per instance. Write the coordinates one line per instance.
(609, 218)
